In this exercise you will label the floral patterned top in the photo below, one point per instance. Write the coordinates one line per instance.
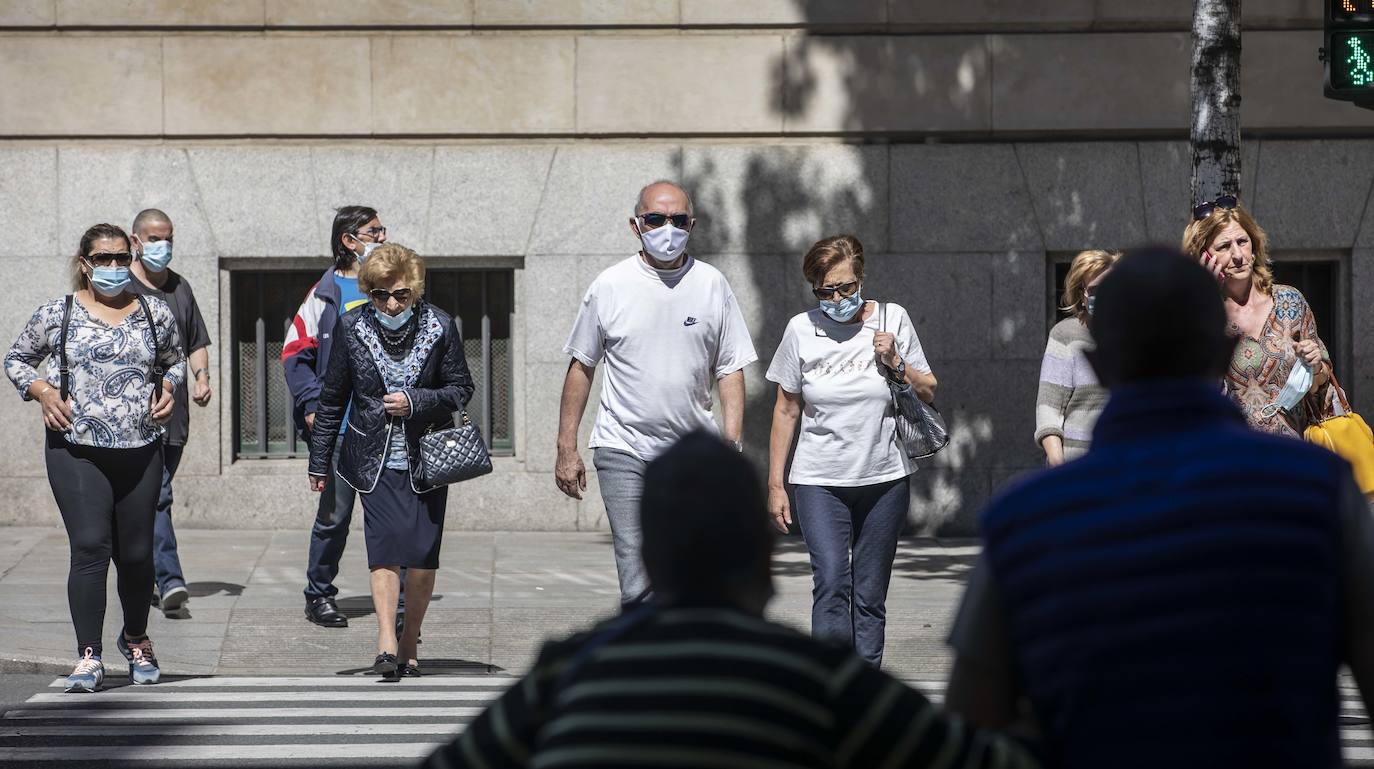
(111, 394)
(1260, 367)
(403, 373)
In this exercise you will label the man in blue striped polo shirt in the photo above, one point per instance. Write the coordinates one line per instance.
(1185, 594)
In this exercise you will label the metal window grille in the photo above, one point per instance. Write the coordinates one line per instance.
(264, 304)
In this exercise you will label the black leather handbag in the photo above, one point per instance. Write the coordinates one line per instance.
(920, 427)
(451, 455)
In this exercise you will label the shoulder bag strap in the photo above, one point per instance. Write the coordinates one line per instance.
(65, 373)
(157, 370)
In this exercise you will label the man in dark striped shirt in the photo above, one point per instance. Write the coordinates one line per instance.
(697, 678)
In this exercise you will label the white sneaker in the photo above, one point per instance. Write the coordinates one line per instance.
(89, 674)
(175, 598)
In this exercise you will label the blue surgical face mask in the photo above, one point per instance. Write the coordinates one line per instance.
(157, 255)
(1294, 390)
(841, 310)
(110, 281)
(394, 322)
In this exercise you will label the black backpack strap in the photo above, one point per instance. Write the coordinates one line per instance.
(65, 373)
(158, 371)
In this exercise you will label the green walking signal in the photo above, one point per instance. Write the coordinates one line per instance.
(1349, 51)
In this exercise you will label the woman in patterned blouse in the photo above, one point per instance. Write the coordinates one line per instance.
(1273, 325)
(397, 364)
(104, 415)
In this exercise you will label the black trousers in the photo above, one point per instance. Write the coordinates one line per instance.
(108, 499)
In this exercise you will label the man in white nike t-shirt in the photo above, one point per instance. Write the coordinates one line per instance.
(668, 327)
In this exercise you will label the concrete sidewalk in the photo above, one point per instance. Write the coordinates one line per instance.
(498, 595)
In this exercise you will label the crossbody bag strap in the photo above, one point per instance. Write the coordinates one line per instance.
(64, 372)
(158, 372)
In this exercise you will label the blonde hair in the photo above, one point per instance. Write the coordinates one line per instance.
(389, 262)
(1199, 235)
(1082, 271)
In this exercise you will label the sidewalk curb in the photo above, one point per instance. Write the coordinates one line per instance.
(11, 664)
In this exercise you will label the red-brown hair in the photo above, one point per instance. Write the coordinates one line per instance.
(829, 252)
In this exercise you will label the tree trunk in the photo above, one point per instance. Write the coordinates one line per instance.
(1215, 93)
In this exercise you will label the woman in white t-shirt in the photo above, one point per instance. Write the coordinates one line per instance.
(849, 473)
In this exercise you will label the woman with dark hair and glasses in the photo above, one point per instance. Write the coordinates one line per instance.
(850, 472)
(1279, 360)
(114, 361)
(305, 357)
(396, 371)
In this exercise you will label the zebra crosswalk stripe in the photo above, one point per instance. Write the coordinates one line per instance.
(358, 721)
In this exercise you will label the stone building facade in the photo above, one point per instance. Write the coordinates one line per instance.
(972, 146)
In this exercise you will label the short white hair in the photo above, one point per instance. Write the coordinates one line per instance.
(639, 201)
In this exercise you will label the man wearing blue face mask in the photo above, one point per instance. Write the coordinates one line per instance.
(152, 275)
(667, 327)
(356, 232)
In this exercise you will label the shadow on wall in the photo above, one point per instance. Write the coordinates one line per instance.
(771, 203)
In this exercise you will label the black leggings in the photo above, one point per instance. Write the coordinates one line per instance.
(108, 498)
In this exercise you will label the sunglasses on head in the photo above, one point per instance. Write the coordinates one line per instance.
(844, 290)
(401, 295)
(656, 220)
(1205, 210)
(123, 259)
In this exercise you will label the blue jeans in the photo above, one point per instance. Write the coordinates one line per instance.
(329, 535)
(621, 477)
(166, 563)
(849, 593)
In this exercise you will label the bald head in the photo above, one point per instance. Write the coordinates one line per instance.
(664, 197)
(150, 220)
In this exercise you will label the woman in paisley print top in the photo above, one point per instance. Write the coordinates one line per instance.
(1273, 324)
(396, 369)
(104, 441)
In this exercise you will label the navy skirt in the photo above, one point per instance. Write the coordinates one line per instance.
(403, 528)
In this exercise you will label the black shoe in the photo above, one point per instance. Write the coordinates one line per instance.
(385, 665)
(410, 671)
(324, 612)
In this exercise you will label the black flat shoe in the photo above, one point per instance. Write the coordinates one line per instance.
(385, 665)
(324, 612)
(410, 671)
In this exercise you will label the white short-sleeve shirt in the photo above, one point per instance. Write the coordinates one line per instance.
(847, 423)
(666, 337)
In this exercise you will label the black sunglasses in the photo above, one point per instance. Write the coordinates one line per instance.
(105, 260)
(656, 220)
(844, 290)
(1205, 210)
(401, 295)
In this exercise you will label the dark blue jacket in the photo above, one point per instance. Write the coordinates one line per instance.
(1174, 598)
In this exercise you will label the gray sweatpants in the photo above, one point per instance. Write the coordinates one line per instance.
(621, 476)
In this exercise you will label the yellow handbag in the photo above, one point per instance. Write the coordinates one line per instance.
(1347, 435)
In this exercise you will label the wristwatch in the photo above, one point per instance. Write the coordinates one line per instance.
(739, 446)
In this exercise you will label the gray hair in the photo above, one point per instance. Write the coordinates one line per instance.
(149, 216)
(639, 201)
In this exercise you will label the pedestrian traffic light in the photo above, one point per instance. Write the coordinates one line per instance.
(1349, 51)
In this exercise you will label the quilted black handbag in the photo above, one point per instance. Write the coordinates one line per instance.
(451, 455)
(920, 427)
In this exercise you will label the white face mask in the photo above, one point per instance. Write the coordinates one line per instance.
(368, 248)
(1294, 390)
(665, 244)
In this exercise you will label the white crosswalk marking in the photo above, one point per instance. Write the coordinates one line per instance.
(261, 721)
(250, 721)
